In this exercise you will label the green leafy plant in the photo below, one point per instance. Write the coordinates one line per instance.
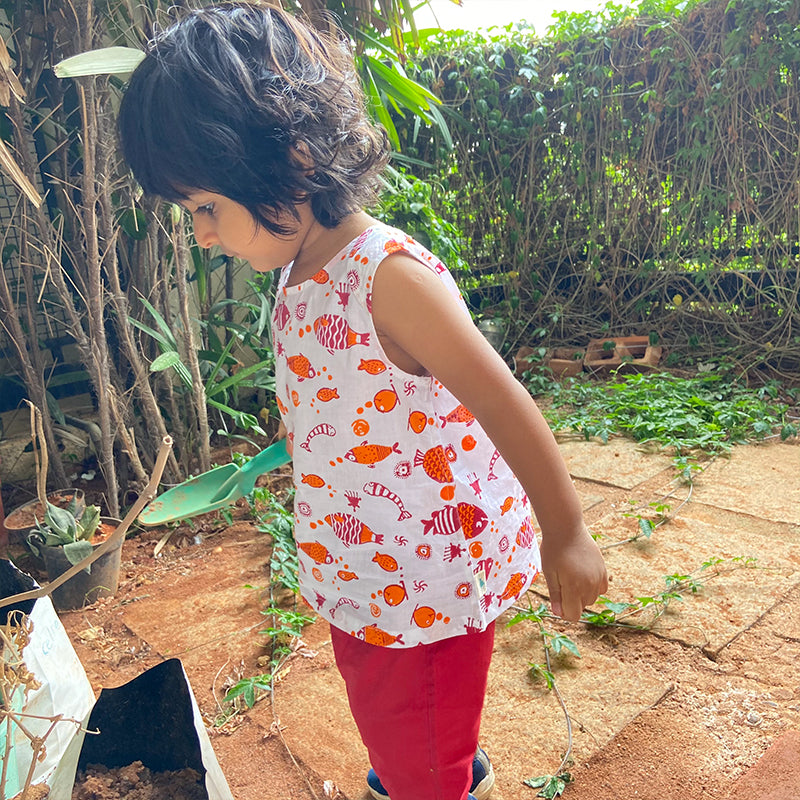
(285, 629)
(549, 786)
(274, 519)
(704, 414)
(554, 642)
(677, 585)
(71, 527)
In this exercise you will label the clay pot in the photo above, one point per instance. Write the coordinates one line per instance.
(22, 520)
(84, 588)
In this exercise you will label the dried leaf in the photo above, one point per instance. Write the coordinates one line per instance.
(8, 163)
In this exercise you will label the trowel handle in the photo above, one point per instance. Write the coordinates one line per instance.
(271, 458)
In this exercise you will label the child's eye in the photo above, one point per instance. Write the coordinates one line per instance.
(208, 208)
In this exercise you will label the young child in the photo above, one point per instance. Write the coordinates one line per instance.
(415, 450)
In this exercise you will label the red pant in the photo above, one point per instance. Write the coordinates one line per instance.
(418, 710)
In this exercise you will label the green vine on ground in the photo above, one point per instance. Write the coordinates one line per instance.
(285, 624)
(617, 614)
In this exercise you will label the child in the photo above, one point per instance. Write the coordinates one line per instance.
(415, 450)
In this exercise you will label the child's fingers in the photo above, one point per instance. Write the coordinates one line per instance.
(555, 601)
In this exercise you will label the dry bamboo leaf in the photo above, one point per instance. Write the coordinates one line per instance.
(5, 57)
(8, 77)
(16, 86)
(18, 176)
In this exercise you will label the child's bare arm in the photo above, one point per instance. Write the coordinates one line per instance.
(416, 316)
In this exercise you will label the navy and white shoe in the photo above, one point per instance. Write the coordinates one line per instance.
(480, 789)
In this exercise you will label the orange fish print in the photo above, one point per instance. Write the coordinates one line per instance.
(516, 583)
(374, 366)
(424, 616)
(351, 530)
(347, 576)
(458, 414)
(281, 406)
(321, 277)
(295, 398)
(372, 634)
(417, 420)
(386, 400)
(326, 395)
(507, 504)
(301, 367)
(435, 463)
(385, 562)
(395, 593)
(393, 246)
(316, 552)
(314, 481)
(371, 454)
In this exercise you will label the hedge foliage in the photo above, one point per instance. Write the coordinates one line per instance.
(629, 174)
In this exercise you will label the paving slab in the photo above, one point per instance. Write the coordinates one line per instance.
(621, 462)
(523, 727)
(769, 652)
(758, 480)
(732, 595)
(776, 776)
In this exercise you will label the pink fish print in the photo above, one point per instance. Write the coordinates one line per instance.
(344, 601)
(282, 316)
(492, 462)
(352, 530)
(323, 429)
(379, 490)
(526, 533)
(446, 521)
(333, 333)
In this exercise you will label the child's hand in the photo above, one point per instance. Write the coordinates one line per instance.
(575, 572)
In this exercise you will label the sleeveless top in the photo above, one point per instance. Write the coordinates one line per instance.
(410, 527)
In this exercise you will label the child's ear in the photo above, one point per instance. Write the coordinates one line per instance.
(301, 155)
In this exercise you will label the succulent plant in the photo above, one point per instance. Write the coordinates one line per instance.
(71, 528)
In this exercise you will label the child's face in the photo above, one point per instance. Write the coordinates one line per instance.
(218, 220)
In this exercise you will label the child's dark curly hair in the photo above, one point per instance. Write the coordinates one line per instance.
(248, 102)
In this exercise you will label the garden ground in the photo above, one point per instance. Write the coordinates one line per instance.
(704, 704)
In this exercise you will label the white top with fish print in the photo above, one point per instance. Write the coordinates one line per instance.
(410, 528)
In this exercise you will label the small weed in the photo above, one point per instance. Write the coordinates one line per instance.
(622, 614)
(286, 625)
(284, 632)
(275, 519)
(549, 786)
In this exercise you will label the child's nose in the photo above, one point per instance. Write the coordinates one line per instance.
(204, 233)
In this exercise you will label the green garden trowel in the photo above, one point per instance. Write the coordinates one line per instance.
(214, 489)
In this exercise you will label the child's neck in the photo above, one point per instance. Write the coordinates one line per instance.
(321, 244)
